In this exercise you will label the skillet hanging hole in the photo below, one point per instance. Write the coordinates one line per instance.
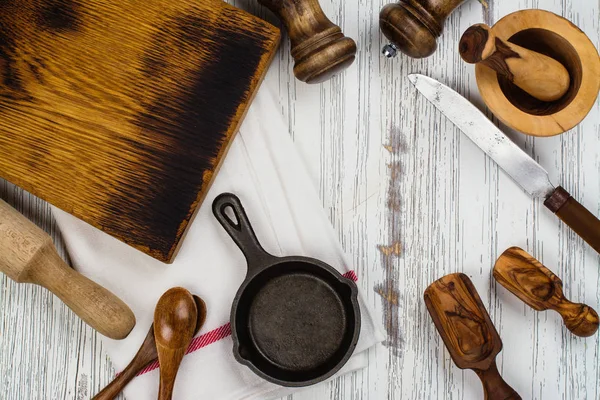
(231, 215)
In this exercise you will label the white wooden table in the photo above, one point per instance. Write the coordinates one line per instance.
(412, 200)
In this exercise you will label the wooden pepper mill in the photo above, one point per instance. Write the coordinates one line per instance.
(536, 71)
(413, 26)
(541, 76)
(319, 48)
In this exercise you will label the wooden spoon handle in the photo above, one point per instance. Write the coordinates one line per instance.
(113, 389)
(541, 76)
(572, 213)
(145, 355)
(169, 366)
(494, 386)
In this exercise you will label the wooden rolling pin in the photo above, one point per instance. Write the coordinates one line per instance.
(541, 76)
(27, 255)
(539, 288)
(468, 332)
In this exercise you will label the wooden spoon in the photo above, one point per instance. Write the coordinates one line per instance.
(145, 355)
(541, 76)
(468, 332)
(540, 289)
(174, 323)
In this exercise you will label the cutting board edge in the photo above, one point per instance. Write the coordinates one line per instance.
(240, 116)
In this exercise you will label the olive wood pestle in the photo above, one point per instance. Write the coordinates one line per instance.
(319, 48)
(175, 319)
(539, 288)
(27, 255)
(541, 76)
(145, 355)
(413, 26)
(468, 332)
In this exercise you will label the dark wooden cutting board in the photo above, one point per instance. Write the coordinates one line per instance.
(120, 111)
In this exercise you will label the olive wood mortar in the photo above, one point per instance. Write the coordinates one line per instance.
(319, 48)
(554, 37)
(540, 289)
(541, 76)
(413, 26)
(468, 332)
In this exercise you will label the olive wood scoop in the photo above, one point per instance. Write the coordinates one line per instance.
(541, 76)
(175, 319)
(27, 255)
(540, 289)
(319, 48)
(468, 332)
(146, 354)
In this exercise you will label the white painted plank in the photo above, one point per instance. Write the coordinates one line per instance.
(430, 190)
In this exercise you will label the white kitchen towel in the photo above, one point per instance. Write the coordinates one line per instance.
(264, 170)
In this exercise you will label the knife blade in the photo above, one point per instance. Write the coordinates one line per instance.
(515, 162)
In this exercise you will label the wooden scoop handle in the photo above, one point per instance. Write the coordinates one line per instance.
(27, 255)
(494, 386)
(541, 76)
(538, 287)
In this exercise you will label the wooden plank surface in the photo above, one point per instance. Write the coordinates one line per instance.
(120, 112)
(411, 200)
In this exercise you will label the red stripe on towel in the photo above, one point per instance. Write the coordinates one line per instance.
(216, 334)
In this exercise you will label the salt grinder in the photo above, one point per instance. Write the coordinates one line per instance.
(319, 48)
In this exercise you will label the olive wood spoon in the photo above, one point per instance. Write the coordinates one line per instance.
(174, 323)
(468, 332)
(145, 355)
(540, 289)
(541, 76)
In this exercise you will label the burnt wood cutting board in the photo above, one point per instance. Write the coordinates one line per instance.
(120, 111)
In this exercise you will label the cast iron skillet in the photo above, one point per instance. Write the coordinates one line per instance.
(295, 321)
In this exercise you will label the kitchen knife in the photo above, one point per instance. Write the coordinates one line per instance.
(514, 161)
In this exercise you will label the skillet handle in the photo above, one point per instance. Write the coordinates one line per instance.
(240, 230)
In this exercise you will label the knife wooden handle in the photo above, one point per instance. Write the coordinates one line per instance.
(27, 255)
(494, 386)
(541, 76)
(539, 288)
(572, 213)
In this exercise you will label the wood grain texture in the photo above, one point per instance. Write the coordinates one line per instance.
(554, 36)
(389, 169)
(27, 255)
(414, 26)
(175, 320)
(541, 76)
(539, 288)
(468, 332)
(120, 112)
(319, 47)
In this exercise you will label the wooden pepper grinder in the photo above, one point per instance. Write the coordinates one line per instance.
(413, 26)
(541, 76)
(319, 47)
